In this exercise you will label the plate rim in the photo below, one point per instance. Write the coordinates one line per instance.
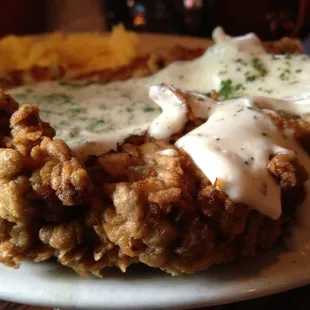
(256, 287)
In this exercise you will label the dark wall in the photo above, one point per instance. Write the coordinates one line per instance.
(22, 16)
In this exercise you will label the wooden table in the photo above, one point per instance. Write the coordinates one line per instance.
(297, 299)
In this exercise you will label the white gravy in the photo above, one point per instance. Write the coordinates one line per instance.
(173, 116)
(93, 118)
(233, 148)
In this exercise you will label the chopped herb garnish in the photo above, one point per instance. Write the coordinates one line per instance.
(73, 133)
(285, 74)
(57, 98)
(260, 69)
(263, 189)
(67, 83)
(48, 112)
(268, 91)
(250, 77)
(298, 70)
(29, 90)
(20, 96)
(239, 87)
(124, 95)
(74, 111)
(253, 109)
(148, 109)
(95, 124)
(64, 123)
(241, 61)
(229, 91)
(259, 66)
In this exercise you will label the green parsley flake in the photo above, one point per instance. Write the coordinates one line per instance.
(260, 70)
(259, 66)
(58, 98)
(287, 56)
(95, 124)
(285, 75)
(148, 109)
(20, 96)
(229, 91)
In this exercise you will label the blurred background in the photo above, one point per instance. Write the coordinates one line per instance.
(270, 19)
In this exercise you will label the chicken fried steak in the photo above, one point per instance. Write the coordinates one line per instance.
(164, 212)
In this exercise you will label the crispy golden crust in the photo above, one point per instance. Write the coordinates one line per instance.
(166, 214)
(40, 181)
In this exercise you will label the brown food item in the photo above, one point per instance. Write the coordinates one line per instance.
(166, 214)
(129, 206)
(40, 181)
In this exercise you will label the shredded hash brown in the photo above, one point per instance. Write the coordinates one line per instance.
(76, 53)
(132, 205)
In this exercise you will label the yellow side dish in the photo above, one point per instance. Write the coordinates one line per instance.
(75, 52)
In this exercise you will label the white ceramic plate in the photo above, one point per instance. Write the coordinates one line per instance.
(49, 284)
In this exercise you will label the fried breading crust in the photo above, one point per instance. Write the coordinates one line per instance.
(40, 181)
(166, 214)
